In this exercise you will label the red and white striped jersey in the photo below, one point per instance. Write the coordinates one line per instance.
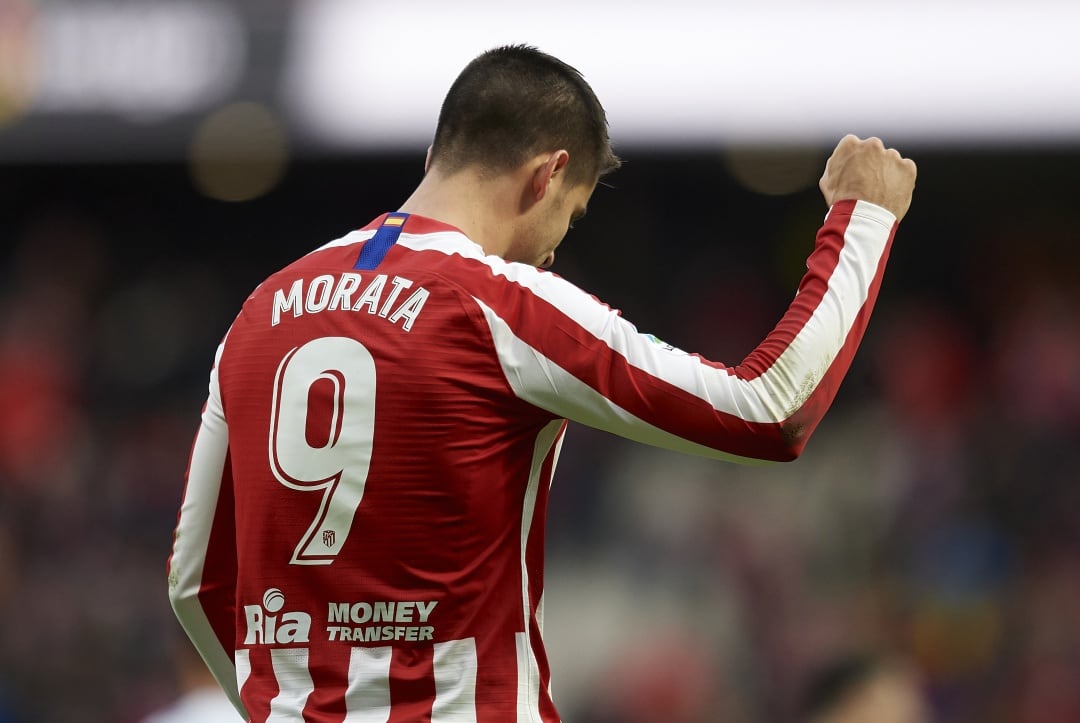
(362, 531)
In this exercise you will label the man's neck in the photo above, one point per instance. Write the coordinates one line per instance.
(483, 208)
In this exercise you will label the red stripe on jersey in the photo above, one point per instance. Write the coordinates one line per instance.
(412, 684)
(261, 685)
(329, 668)
(495, 681)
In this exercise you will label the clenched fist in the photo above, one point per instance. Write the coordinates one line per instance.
(868, 171)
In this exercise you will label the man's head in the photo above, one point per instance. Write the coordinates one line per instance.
(521, 143)
(515, 102)
(864, 688)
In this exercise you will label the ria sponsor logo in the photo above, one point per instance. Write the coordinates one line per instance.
(266, 627)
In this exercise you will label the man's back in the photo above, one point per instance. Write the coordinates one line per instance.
(383, 523)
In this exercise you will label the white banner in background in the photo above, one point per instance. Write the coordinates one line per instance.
(685, 72)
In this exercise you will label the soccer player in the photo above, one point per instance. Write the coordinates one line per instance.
(361, 536)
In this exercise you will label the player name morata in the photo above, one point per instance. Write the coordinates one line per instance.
(379, 295)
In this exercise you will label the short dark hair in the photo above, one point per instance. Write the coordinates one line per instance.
(513, 102)
(830, 685)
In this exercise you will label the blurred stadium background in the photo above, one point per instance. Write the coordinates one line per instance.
(158, 159)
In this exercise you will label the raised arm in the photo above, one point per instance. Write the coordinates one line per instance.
(566, 352)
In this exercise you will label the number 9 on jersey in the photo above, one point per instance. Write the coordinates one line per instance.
(321, 431)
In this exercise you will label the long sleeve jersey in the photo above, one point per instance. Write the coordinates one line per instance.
(361, 536)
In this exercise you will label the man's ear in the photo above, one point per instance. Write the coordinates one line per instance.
(551, 167)
(427, 159)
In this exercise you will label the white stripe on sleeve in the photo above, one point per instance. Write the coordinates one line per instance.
(542, 382)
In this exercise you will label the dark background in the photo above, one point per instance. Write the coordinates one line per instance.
(933, 517)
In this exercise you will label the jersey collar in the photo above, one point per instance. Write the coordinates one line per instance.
(415, 224)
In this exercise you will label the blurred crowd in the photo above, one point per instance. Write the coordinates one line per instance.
(933, 522)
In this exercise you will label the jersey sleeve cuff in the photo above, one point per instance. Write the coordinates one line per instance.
(864, 209)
